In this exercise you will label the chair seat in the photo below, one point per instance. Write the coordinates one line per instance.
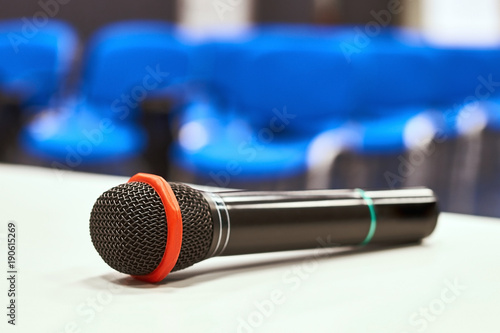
(77, 137)
(243, 155)
(396, 133)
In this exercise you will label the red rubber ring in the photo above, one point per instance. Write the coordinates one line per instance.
(174, 226)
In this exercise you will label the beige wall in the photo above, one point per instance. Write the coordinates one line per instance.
(466, 22)
(214, 14)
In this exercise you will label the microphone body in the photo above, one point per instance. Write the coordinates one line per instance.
(280, 221)
(148, 227)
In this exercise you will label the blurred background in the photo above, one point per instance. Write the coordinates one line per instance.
(272, 95)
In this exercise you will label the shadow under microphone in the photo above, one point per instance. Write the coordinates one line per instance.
(148, 227)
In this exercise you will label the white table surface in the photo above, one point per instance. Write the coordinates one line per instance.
(64, 286)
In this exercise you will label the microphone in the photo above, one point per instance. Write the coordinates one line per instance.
(148, 228)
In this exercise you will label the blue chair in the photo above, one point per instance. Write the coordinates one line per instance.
(469, 88)
(466, 81)
(269, 93)
(401, 68)
(394, 70)
(35, 62)
(34, 66)
(448, 163)
(135, 59)
(98, 129)
(384, 152)
(466, 75)
(229, 153)
(72, 137)
(273, 67)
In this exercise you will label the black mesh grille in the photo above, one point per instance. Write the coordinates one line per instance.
(197, 233)
(129, 230)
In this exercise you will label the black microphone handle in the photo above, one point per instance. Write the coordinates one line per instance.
(256, 221)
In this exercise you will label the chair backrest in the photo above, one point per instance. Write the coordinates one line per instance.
(399, 68)
(297, 69)
(34, 61)
(394, 70)
(467, 75)
(129, 62)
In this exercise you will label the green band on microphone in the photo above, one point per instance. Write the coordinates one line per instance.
(373, 216)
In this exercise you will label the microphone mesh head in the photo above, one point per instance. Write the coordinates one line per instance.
(197, 225)
(129, 229)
